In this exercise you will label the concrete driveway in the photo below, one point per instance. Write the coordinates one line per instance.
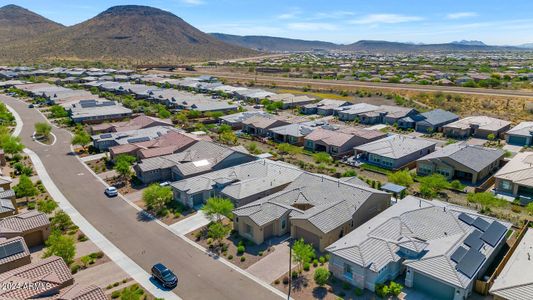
(274, 265)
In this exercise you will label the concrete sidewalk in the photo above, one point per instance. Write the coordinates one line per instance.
(189, 224)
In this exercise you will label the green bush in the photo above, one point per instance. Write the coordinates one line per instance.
(294, 274)
(315, 262)
(321, 276)
(31, 205)
(243, 258)
(74, 268)
(240, 249)
(382, 290)
(322, 260)
(230, 257)
(307, 266)
(115, 294)
(358, 292)
(345, 286)
(395, 288)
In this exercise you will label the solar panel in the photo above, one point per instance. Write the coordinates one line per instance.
(493, 233)
(14, 248)
(470, 263)
(106, 135)
(473, 240)
(466, 218)
(458, 254)
(481, 224)
(3, 253)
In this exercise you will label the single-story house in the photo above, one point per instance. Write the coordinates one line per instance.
(33, 226)
(241, 184)
(324, 107)
(395, 152)
(260, 125)
(521, 134)
(386, 114)
(467, 163)
(295, 133)
(442, 249)
(104, 141)
(318, 208)
(431, 121)
(515, 280)
(235, 120)
(50, 275)
(477, 126)
(340, 142)
(93, 111)
(80, 292)
(352, 112)
(290, 100)
(516, 177)
(8, 204)
(200, 158)
(168, 143)
(139, 122)
(14, 252)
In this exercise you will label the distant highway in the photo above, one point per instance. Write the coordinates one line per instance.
(321, 83)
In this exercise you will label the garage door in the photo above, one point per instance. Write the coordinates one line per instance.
(34, 239)
(436, 289)
(517, 140)
(308, 237)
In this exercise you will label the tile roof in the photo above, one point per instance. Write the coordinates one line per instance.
(141, 121)
(522, 129)
(262, 121)
(484, 123)
(436, 117)
(395, 146)
(24, 222)
(333, 202)
(473, 157)
(519, 169)
(21, 250)
(48, 274)
(431, 228)
(78, 292)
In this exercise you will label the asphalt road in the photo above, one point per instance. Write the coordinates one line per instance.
(291, 82)
(145, 242)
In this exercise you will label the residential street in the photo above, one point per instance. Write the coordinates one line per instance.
(145, 242)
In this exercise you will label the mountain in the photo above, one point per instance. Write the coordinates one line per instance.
(469, 43)
(17, 23)
(274, 44)
(129, 33)
(527, 46)
(385, 46)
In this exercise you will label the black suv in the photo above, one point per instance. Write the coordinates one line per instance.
(164, 275)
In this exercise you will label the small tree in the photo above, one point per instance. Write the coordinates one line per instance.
(61, 222)
(81, 138)
(529, 208)
(157, 197)
(486, 199)
(302, 252)
(228, 138)
(43, 129)
(10, 144)
(321, 276)
(286, 148)
(217, 231)
(57, 111)
(402, 177)
(60, 245)
(123, 165)
(431, 185)
(215, 208)
(25, 188)
(395, 289)
(491, 137)
(46, 206)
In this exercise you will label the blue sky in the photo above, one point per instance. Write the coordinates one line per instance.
(342, 21)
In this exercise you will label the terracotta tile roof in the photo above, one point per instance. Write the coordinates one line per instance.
(47, 275)
(78, 292)
(23, 222)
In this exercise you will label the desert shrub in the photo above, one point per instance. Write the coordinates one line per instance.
(240, 249)
(243, 258)
(230, 257)
(307, 266)
(285, 280)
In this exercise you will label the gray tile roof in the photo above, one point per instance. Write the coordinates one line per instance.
(473, 157)
(436, 117)
(333, 202)
(395, 146)
(415, 224)
(522, 129)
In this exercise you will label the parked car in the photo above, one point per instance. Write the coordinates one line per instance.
(164, 275)
(166, 183)
(31, 106)
(111, 191)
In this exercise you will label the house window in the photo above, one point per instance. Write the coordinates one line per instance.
(347, 269)
(248, 230)
(505, 185)
(283, 224)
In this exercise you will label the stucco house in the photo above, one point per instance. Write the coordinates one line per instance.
(341, 141)
(260, 125)
(477, 126)
(441, 249)
(521, 134)
(318, 208)
(467, 163)
(33, 226)
(516, 177)
(426, 122)
(241, 184)
(14, 252)
(395, 151)
(200, 158)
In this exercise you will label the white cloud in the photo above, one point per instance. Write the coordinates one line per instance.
(385, 19)
(461, 15)
(311, 26)
(286, 16)
(193, 2)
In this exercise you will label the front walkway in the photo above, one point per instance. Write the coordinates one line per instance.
(93, 157)
(275, 264)
(189, 224)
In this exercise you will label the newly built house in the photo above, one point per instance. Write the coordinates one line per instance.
(516, 177)
(520, 135)
(467, 163)
(439, 249)
(478, 126)
(428, 122)
(94, 111)
(260, 125)
(341, 141)
(33, 226)
(318, 208)
(395, 151)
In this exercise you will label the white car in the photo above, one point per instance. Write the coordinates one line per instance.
(111, 191)
(166, 183)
